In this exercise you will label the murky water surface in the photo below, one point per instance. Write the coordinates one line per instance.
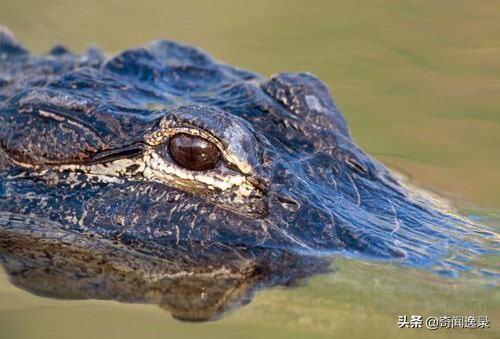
(419, 83)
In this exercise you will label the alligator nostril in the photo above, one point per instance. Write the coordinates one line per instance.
(355, 165)
(288, 202)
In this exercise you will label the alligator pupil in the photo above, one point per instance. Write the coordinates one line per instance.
(193, 153)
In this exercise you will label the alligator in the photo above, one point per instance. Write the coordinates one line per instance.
(162, 175)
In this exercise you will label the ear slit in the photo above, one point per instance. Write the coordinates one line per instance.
(130, 151)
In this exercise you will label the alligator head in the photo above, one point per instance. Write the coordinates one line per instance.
(163, 151)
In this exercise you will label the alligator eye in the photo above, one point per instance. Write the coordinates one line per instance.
(192, 152)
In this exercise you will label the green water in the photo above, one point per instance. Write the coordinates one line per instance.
(419, 83)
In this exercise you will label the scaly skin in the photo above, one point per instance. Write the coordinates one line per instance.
(90, 194)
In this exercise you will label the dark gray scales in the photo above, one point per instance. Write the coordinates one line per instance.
(313, 190)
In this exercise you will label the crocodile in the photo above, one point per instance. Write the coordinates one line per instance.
(162, 175)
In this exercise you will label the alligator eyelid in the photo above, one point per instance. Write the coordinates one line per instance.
(209, 136)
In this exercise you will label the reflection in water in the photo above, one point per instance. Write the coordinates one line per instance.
(183, 281)
(419, 83)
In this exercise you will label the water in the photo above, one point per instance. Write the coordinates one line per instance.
(418, 83)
